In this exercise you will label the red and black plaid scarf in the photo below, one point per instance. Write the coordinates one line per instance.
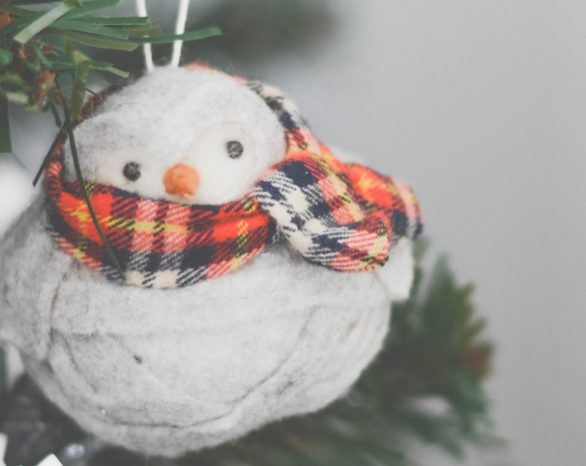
(345, 217)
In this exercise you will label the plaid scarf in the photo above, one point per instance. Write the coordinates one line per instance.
(345, 217)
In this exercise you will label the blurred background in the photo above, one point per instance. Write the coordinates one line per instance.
(481, 106)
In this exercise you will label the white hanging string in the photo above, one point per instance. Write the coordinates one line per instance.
(146, 48)
(179, 29)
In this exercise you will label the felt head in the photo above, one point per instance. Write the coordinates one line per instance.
(195, 136)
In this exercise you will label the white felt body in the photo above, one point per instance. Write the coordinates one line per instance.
(165, 372)
(169, 371)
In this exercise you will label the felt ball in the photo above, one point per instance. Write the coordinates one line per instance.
(166, 372)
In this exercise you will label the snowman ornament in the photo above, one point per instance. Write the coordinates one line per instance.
(258, 268)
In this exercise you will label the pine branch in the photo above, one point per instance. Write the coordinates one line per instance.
(75, 156)
(38, 46)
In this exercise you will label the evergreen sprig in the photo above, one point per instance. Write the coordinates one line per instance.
(435, 351)
(42, 40)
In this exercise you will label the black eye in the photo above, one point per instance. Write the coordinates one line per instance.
(132, 171)
(235, 149)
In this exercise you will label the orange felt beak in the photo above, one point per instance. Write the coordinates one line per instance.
(181, 180)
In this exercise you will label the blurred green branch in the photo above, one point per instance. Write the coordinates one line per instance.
(41, 43)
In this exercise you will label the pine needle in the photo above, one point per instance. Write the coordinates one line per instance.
(82, 184)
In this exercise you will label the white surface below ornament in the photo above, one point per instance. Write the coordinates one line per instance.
(16, 191)
(50, 460)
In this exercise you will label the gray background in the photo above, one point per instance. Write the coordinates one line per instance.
(481, 105)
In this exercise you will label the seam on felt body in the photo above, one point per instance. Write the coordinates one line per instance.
(114, 421)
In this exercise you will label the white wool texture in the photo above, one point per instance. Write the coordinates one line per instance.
(165, 372)
(180, 116)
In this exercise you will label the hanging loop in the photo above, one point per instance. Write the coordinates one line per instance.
(147, 49)
(179, 29)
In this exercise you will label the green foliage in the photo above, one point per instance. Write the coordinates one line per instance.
(427, 384)
(258, 29)
(436, 353)
(40, 45)
(254, 31)
(5, 140)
